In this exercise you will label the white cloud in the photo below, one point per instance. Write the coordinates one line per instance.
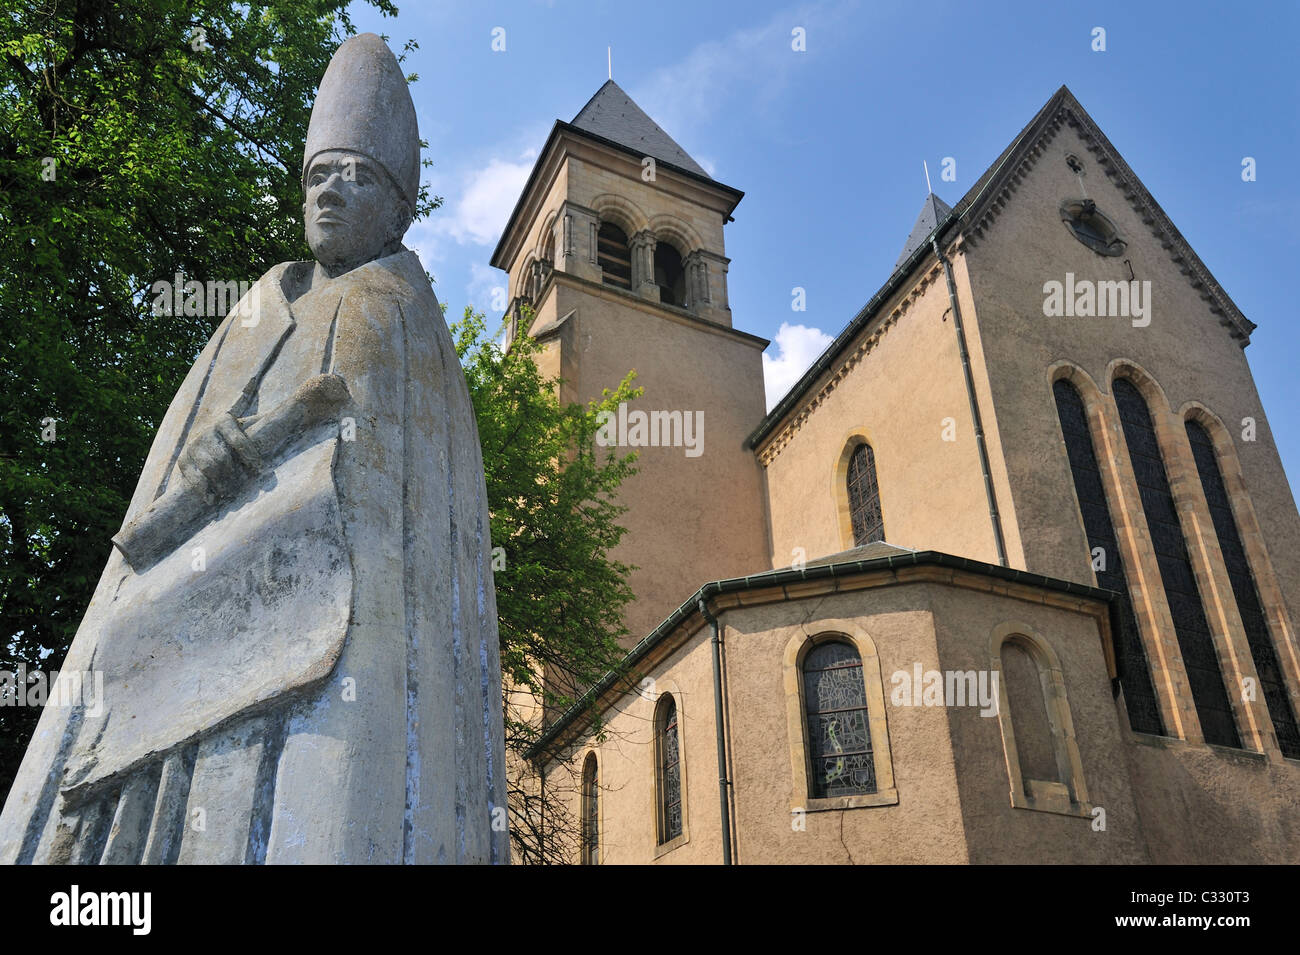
(476, 213)
(485, 290)
(798, 346)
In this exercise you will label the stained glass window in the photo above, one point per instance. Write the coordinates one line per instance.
(864, 497)
(590, 812)
(1272, 683)
(1200, 659)
(839, 734)
(1130, 655)
(670, 772)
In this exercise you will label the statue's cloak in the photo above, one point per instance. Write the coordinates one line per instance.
(315, 664)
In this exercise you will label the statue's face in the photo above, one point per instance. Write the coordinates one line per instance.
(353, 213)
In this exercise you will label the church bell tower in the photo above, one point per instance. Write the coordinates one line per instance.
(616, 245)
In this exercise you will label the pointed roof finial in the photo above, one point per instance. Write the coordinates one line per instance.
(925, 164)
(609, 52)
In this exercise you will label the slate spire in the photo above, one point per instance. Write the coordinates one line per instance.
(611, 114)
(933, 211)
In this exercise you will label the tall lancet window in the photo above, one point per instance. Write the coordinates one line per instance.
(1130, 655)
(614, 256)
(1183, 596)
(670, 770)
(864, 497)
(590, 811)
(1272, 683)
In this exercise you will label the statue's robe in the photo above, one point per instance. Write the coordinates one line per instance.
(312, 674)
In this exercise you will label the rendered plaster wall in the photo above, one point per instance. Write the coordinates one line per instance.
(906, 397)
(1197, 802)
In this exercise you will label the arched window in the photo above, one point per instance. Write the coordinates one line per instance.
(590, 812)
(669, 754)
(669, 275)
(1200, 659)
(1130, 655)
(1243, 588)
(864, 497)
(1042, 756)
(614, 256)
(837, 724)
(1035, 749)
(532, 281)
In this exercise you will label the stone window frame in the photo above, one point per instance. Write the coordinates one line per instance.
(1068, 798)
(671, 690)
(840, 484)
(1107, 241)
(843, 630)
(675, 231)
(591, 757)
(630, 219)
(1146, 589)
(1280, 626)
(528, 280)
(1184, 488)
(1105, 438)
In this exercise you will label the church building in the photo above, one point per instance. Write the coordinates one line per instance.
(1009, 576)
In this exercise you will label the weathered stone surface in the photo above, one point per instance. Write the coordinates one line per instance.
(297, 627)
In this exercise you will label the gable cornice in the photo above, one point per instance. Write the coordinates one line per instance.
(975, 214)
(867, 340)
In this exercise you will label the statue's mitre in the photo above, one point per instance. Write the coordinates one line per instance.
(363, 105)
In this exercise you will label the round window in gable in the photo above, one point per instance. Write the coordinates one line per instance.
(1091, 227)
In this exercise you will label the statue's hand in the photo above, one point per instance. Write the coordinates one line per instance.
(315, 401)
(218, 459)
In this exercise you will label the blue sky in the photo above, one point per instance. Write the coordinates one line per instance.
(1183, 90)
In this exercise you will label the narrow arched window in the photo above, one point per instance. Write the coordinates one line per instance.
(1103, 548)
(837, 724)
(1043, 763)
(614, 256)
(1262, 649)
(532, 281)
(590, 812)
(1200, 659)
(1035, 748)
(864, 497)
(670, 770)
(669, 275)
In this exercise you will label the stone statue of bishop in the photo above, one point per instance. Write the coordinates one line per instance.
(297, 626)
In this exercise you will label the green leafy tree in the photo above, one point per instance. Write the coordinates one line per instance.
(552, 493)
(139, 139)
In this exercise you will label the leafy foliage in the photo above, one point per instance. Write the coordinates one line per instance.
(560, 596)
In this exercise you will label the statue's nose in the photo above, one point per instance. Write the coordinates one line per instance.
(331, 193)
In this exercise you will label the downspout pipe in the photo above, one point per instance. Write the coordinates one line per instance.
(723, 783)
(989, 492)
